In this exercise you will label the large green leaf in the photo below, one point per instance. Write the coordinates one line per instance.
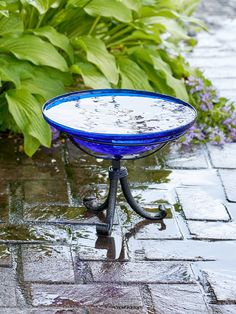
(41, 84)
(133, 4)
(170, 25)
(91, 75)
(41, 5)
(176, 84)
(97, 54)
(12, 24)
(57, 39)
(132, 76)
(163, 79)
(109, 8)
(34, 49)
(14, 70)
(8, 74)
(27, 114)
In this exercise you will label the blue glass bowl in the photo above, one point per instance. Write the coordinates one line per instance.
(94, 119)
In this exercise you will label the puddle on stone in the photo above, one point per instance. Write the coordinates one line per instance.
(56, 213)
(32, 233)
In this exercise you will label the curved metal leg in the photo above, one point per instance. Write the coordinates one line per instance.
(105, 228)
(136, 207)
(91, 203)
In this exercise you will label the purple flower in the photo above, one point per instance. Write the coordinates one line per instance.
(217, 136)
(55, 133)
(203, 107)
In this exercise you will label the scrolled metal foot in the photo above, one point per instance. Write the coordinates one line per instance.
(136, 207)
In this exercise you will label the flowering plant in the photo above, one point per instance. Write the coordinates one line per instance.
(216, 122)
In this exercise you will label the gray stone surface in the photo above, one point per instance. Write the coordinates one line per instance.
(199, 204)
(229, 182)
(85, 295)
(223, 283)
(44, 263)
(41, 192)
(183, 250)
(168, 229)
(141, 272)
(212, 230)
(223, 309)
(178, 299)
(223, 157)
(7, 288)
(193, 157)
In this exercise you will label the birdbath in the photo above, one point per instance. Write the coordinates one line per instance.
(119, 124)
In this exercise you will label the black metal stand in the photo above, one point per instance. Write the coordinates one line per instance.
(116, 172)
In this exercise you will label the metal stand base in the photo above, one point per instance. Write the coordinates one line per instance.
(116, 172)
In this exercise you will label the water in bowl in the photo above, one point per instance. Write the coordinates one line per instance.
(121, 114)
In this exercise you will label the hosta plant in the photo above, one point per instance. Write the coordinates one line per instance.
(50, 46)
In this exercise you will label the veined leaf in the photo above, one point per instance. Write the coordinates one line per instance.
(97, 54)
(178, 86)
(34, 49)
(91, 75)
(41, 5)
(110, 8)
(31, 144)
(170, 25)
(133, 4)
(11, 24)
(18, 68)
(132, 76)
(57, 39)
(8, 74)
(43, 85)
(27, 114)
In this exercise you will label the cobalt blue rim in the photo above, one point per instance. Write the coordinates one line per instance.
(175, 132)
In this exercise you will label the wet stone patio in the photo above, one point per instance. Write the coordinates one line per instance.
(51, 260)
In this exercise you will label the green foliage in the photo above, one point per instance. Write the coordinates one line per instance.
(47, 45)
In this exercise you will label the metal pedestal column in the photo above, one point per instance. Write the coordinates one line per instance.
(116, 172)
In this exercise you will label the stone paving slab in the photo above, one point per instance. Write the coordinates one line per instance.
(199, 204)
(186, 157)
(116, 311)
(229, 182)
(178, 299)
(223, 309)
(202, 62)
(222, 282)
(45, 192)
(223, 157)
(44, 263)
(182, 250)
(168, 229)
(212, 230)
(43, 310)
(7, 288)
(86, 295)
(141, 272)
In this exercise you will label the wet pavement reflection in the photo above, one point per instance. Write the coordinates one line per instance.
(48, 240)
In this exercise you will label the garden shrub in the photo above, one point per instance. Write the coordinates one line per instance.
(48, 47)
